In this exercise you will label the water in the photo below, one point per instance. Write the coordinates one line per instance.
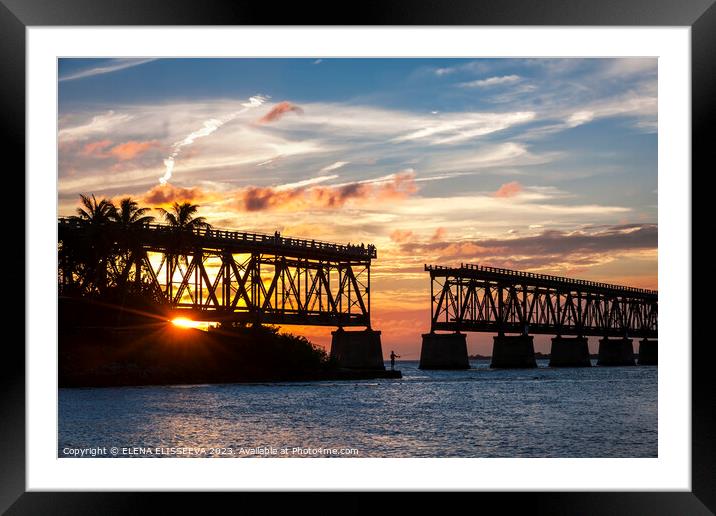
(594, 412)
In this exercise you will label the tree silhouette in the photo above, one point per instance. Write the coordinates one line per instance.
(92, 256)
(182, 216)
(129, 253)
(107, 259)
(95, 212)
(129, 214)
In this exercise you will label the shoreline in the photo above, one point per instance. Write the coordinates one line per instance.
(335, 375)
(160, 354)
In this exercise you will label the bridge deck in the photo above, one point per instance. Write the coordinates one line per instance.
(531, 278)
(161, 235)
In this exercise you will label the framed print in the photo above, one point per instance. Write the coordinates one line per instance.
(429, 246)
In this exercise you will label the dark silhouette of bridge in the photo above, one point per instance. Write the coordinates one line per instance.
(475, 298)
(233, 276)
(227, 276)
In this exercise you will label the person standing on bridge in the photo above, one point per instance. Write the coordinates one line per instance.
(393, 356)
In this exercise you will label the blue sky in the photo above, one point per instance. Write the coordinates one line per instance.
(415, 85)
(547, 165)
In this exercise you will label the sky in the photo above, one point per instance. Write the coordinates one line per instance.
(544, 165)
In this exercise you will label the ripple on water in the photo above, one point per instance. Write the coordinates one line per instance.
(592, 412)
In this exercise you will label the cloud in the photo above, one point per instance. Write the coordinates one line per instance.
(491, 81)
(439, 235)
(112, 66)
(122, 152)
(334, 166)
(491, 156)
(469, 67)
(132, 149)
(98, 124)
(278, 111)
(639, 105)
(306, 182)
(401, 236)
(255, 198)
(508, 190)
(95, 148)
(208, 128)
(444, 71)
(579, 117)
(168, 194)
(458, 128)
(551, 248)
(623, 68)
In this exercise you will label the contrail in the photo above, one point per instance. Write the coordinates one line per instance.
(209, 127)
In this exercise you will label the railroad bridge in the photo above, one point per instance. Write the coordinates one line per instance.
(228, 276)
(475, 298)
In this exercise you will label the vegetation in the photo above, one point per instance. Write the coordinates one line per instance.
(129, 214)
(112, 327)
(162, 354)
(104, 263)
(95, 213)
(182, 216)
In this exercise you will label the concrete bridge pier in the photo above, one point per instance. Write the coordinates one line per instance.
(615, 352)
(444, 351)
(357, 349)
(569, 352)
(648, 352)
(514, 351)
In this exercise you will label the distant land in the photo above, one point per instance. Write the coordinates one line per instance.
(538, 354)
(486, 357)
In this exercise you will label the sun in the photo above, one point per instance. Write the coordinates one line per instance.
(183, 322)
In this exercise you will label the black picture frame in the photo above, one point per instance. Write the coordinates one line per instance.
(700, 15)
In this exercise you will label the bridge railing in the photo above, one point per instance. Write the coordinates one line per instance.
(543, 277)
(228, 235)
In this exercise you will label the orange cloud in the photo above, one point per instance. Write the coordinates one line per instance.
(508, 189)
(168, 194)
(278, 111)
(95, 148)
(400, 236)
(252, 198)
(132, 149)
(122, 151)
(439, 235)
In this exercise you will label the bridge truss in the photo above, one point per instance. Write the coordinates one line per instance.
(220, 275)
(488, 299)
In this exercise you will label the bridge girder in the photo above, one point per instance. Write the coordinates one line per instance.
(485, 299)
(216, 276)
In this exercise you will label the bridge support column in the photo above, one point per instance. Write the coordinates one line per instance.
(569, 352)
(513, 352)
(615, 352)
(648, 352)
(357, 349)
(444, 351)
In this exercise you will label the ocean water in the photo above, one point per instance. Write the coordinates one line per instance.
(543, 412)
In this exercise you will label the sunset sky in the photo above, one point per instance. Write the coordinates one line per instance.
(546, 165)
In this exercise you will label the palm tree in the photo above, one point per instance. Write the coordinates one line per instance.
(181, 216)
(129, 214)
(94, 212)
(94, 254)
